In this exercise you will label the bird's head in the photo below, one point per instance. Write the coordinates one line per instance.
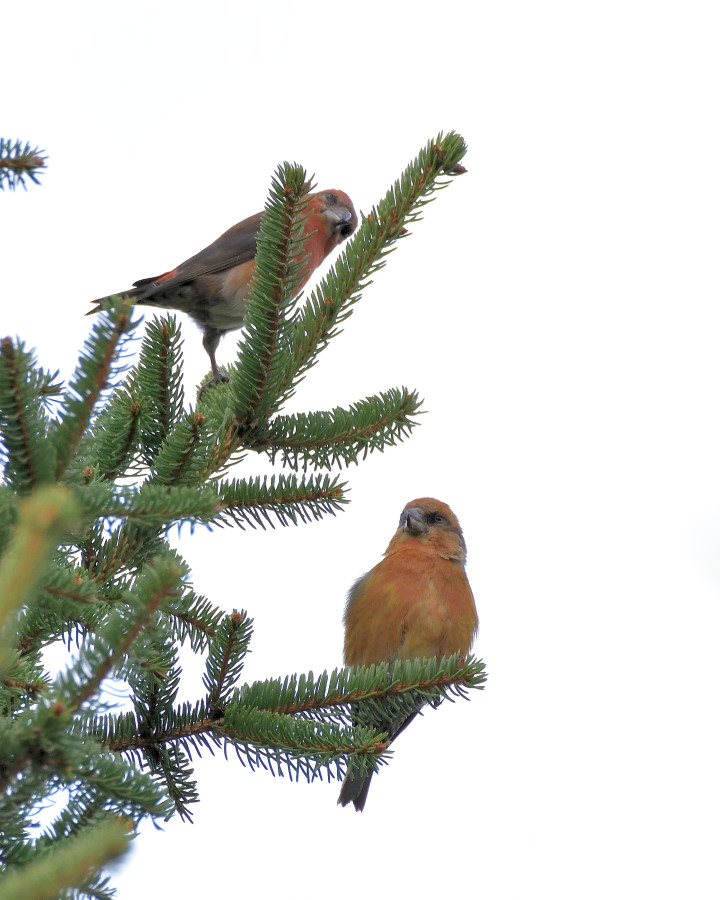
(338, 210)
(432, 522)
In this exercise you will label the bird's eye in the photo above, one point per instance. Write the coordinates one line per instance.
(435, 519)
(331, 199)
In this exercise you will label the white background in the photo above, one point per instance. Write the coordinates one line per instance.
(558, 310)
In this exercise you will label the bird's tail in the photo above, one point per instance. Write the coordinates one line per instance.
(355, 787)
(355, 790)
(104, 303)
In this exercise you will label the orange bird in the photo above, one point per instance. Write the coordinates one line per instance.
(212, 286)
(416, 602)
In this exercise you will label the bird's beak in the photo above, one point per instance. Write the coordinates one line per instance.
(412, 520)
(343, 221)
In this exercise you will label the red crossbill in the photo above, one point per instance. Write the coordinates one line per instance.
(416, 602)
(212, 286)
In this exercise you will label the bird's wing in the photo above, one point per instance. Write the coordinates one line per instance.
(231, 249)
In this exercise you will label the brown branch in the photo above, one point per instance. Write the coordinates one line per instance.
(32, 688)
(22, 163)
(124, 745)
(389, 690)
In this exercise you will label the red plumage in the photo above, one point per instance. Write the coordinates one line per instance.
(416, 602)
(212, 287)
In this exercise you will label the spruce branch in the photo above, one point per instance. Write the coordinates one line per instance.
(88, 562)
(284, 745)
(364, 254)
(297, 342)
(279, 260)
(19, 161)
(253, 502)
(66, 602)
(276, 722)
(194, 619)
(73, 864)
(225, 659)
(288, 499)
(332, 694)
(108, 648)
(323, 439)
(29, 459)
(43, 517)
(180, 459)
(99, 363)
(140, 413)
(156, 383)
(173, 765)
(117, 438)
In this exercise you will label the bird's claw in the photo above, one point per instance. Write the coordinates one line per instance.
(218, 378)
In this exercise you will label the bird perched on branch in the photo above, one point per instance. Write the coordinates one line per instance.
(212, 287)
(416, 602)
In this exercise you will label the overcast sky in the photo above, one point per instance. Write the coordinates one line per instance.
(558, 310)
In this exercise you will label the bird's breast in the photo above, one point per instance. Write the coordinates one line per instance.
(414, 603)
(440, 620)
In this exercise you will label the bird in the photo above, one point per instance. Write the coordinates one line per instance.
(212, 287)
(416, 602)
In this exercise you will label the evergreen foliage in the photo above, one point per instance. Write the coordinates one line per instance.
(96, 473)
(17, 162)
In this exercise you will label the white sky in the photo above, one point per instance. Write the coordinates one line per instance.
(557, 309)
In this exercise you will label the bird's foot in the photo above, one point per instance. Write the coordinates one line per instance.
(218, 378)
